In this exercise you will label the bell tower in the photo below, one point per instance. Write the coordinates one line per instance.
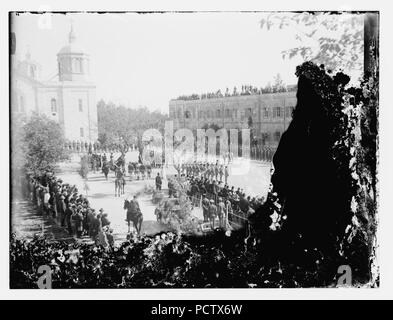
(73, 62)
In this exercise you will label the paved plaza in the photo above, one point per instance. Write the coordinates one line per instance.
(252, 176)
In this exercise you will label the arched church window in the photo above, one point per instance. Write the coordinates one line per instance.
(53, 105)
(80, 103)
(82, 132)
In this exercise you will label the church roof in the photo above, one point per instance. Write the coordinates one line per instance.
(71, 48)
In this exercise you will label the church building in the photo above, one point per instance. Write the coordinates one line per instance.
(69, 99)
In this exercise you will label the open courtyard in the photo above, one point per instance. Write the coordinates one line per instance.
(101, 192)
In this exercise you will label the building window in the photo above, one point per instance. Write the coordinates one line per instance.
(53, 105)
(277, 135)
(277, 112)
(80, 103)
(265, 112)
(82, 133)
(78, 65)
(218, 113)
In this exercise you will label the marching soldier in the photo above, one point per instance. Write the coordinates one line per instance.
(212, 213)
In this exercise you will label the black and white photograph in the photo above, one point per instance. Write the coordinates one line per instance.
(193, 149)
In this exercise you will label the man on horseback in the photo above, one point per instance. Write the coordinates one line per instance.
(134, 214)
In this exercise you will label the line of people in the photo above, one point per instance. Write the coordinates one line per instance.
(210, 171)
(68, 208)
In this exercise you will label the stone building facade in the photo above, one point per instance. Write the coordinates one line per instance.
(267, 115)
(69, 99)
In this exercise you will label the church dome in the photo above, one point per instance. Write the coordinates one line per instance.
(71, 49)
(73, 62)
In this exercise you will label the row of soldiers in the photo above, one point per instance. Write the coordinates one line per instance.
(206, 170)
(83, 146)
(62, 202)
(262, 153)
(140, 170)
(219, 200)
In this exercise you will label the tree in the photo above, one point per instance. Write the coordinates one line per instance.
(43, 144)
(334, 40)
(121, 125)
(279, 85)
(268, 88)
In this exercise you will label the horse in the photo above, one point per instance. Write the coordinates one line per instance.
(119, 183)
(134, 214)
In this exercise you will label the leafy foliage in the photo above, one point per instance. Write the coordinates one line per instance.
(117, 123)
(335, 40)
(177, 213)
(42, 143)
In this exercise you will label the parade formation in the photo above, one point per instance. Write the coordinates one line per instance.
(214, 203)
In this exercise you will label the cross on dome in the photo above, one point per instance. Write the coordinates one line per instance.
(71, 36)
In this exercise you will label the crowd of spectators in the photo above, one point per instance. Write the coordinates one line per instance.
(67, 207)
(245, 91)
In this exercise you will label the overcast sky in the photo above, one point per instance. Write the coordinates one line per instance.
(148, 59)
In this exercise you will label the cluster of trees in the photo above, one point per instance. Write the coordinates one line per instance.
(37, 145)
(121, 125)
